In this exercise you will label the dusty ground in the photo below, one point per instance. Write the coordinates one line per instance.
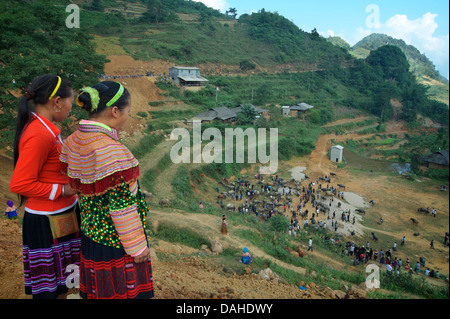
(180, 273)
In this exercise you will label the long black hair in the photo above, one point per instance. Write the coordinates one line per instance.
(39, 92)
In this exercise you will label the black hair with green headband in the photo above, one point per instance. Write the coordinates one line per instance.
(102, 95)
(42, 89)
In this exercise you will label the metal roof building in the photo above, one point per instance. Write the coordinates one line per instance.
(223, 113)
(188, 76)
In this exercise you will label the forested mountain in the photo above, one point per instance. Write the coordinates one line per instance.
(34, 39)
(419, 63)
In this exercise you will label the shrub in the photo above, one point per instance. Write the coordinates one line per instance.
(279, 223)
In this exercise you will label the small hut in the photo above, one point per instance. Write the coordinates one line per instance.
(300, 109)
(439, 160)
(286, 109)
(336, 153)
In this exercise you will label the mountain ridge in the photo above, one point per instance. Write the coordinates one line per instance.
(420, 64)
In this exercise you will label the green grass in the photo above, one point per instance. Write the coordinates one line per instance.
(171, 233)
(150, 175)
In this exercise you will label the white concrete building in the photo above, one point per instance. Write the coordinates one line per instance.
(336, 153)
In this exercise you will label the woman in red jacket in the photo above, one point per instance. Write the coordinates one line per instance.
(50, 224)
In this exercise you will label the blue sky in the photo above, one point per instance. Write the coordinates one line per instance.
(424, 24)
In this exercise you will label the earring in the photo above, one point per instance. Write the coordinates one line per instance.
(57, 110)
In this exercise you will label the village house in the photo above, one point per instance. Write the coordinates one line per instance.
(296, 110)
(187, 76)
(225, 115)
(437, 160)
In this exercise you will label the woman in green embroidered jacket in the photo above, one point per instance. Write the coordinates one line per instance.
(115, 259)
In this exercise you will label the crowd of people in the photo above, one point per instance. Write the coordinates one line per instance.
(363, 254)
(265, 199)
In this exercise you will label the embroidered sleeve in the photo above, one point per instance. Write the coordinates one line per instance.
(123, 209)
(133, 187)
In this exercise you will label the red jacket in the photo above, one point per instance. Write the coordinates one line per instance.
(37, 174)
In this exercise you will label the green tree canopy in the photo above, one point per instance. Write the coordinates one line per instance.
(35, 40)
(247, 115)
(391, 61)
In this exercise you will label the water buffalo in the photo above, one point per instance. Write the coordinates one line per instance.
(423, 210)
(164, 203)
(341, 185)
(375, 237)
(415, 221)
(359, 210)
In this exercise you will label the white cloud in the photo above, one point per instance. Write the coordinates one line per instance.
(420, 33)
(221, 5)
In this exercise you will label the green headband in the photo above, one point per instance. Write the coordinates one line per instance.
(117, 96)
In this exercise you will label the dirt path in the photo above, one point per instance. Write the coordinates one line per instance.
(348, 120)
(318, 165)
(209, 226)
(396, 199)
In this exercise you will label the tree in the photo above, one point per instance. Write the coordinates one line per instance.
(264, 94)
(231, 12)
(247, 65)
(314, 34)
(382, 106)
(391, 60)
(155, 13)
(35, 41)
(97, 5)
(247, 115)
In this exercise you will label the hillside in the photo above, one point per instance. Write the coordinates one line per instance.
(190, 33)
(380, 122)
(420, 65)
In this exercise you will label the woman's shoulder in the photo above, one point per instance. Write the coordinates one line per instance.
(35, 130)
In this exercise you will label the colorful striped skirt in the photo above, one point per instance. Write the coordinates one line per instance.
(109, 273)
(46, 260)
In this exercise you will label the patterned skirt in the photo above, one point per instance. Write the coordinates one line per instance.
(46, 260)
(109, 273)
(224, 229)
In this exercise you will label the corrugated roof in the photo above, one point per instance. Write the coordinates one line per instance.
(224, 113)
(188, 78)
(301, 107)
(257, 109)
(206, 116)
(185, 68)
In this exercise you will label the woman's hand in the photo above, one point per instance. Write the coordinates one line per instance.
(142, 257)
(68, 190)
